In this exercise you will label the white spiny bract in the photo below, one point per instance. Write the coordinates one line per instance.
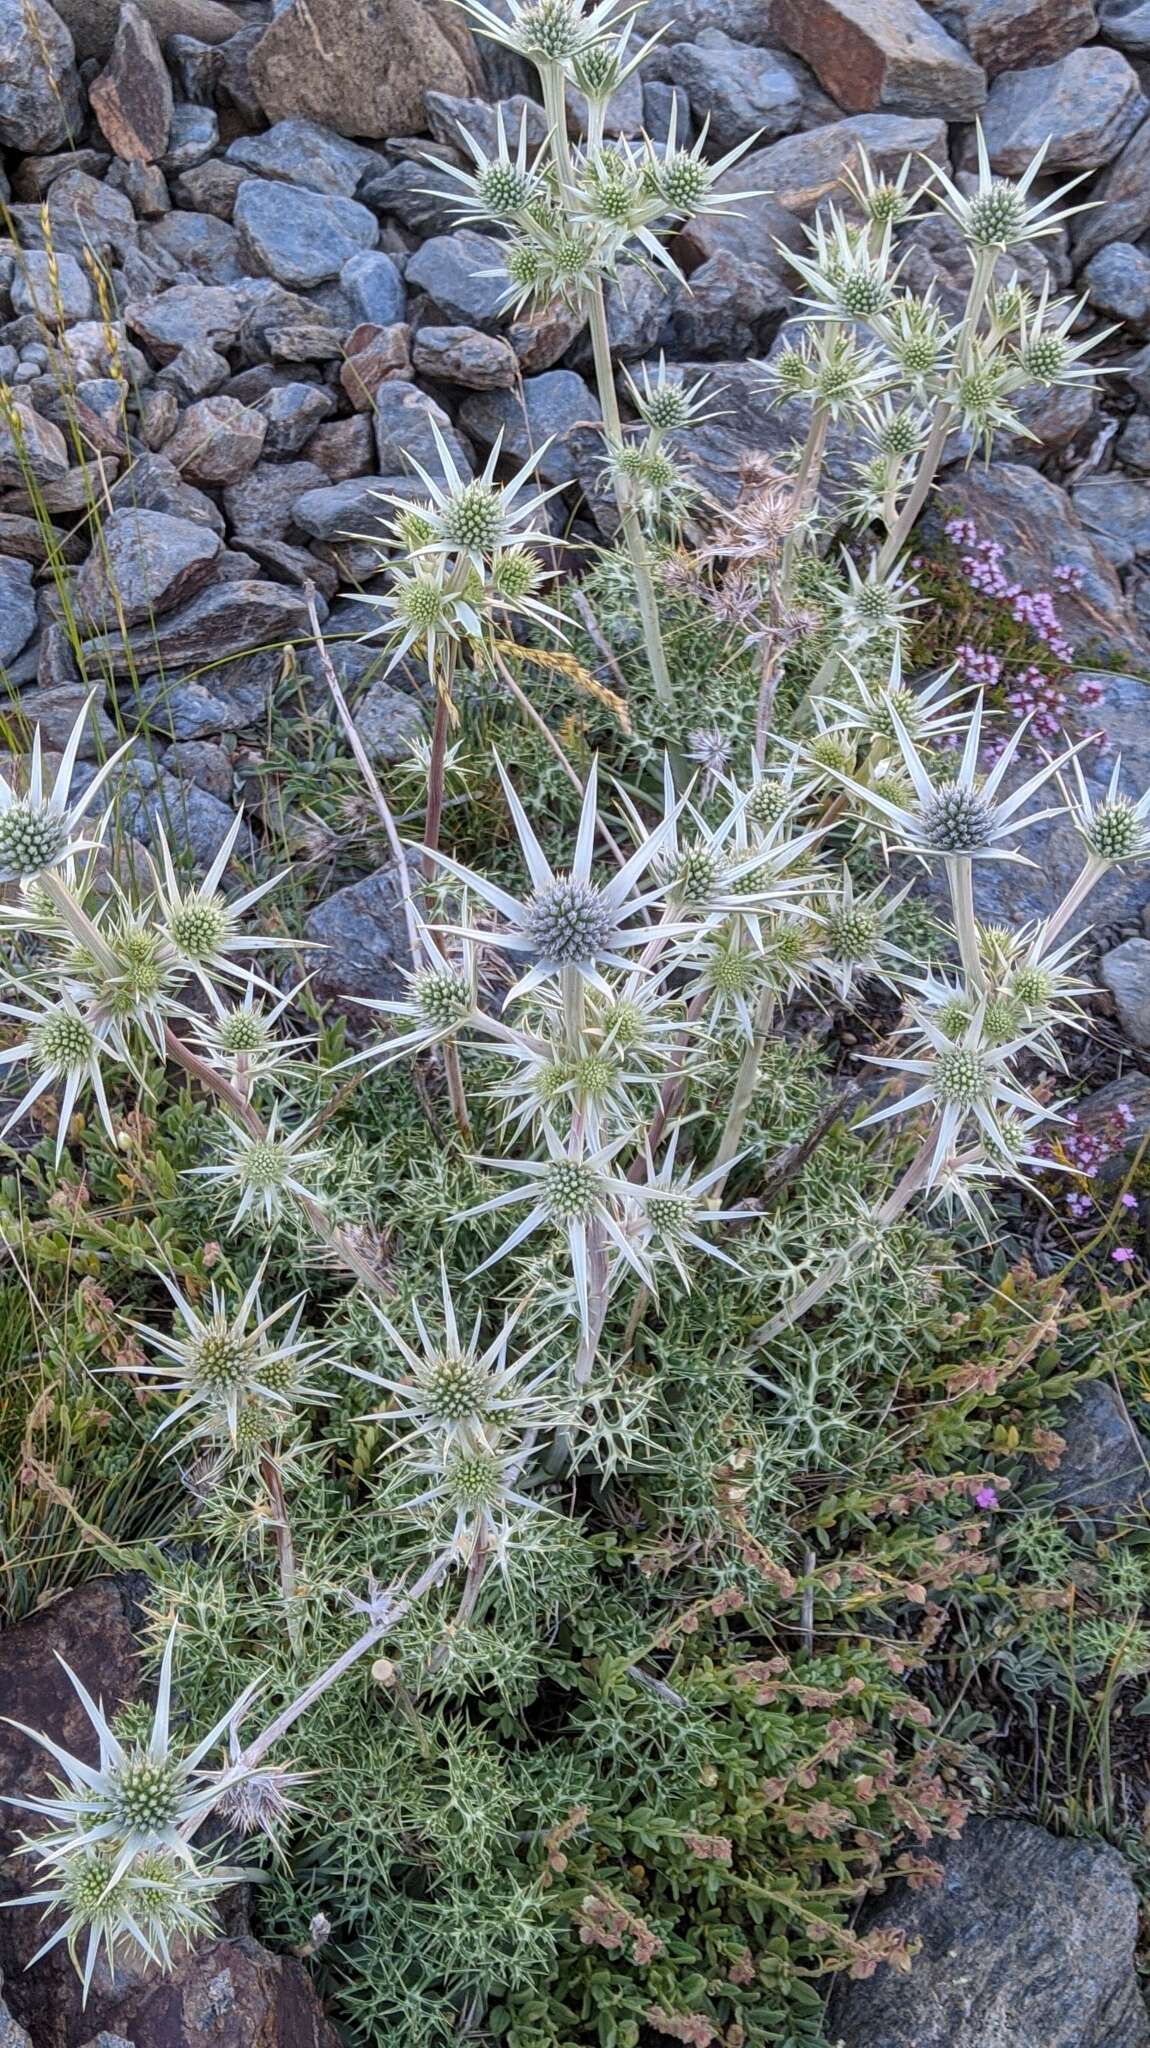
(113, 1847)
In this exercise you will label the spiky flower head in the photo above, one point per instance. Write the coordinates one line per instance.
(1000, 214)
(220, 1360)
(1114, 827)
(39, 829)
(263, 1167)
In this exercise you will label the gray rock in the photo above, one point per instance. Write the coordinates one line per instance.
(375, 287)
(1087, 106)
(356, 507)
(188, 313)
(217, 442)
(147, 563)
(450, 117)
(200, 242)
(209, 188)
(229, 618)
(362, 931)
(93, 22)
(622, 115)
(1104, 1470)
(549, 410)
(1027, 1943)
(55, 709)
(881, 53)
(302, 153)
(659, 99)
(153, 485)
(1039, 530)
(265, 502)
(746, 92)
(1133, 444)
(31, 447)
(56, 291)
(343, 448)
(185, 710)
(403, 192)
(17, 608)
(145, 185)
(1127, 23)
(147, 800)
(461, 355)
(293, 412)
(1125, 971)
(1117, 283)
(204, 762)
(1007, 35)
(13, 2035)
(195, 373)
(1116, 511)
(464, 277)
(194, 134)
(300, 237)
(40, 105)
(387, 721)
(132, 97)
(403, 415)
(378, 59)
(86, 214)
(729, 308)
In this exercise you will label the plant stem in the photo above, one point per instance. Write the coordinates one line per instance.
(960, 876)
(285, 1549)
(899, 534)
(632, 524)
(1077, 893)
(744, 1088)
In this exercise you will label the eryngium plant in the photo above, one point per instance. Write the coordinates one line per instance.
(610, 1012)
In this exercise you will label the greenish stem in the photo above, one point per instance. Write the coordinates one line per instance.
(929, 461)
(632, 524)
(960, 877)
(744, 1088)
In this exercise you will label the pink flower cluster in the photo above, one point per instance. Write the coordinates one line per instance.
(1034, 609)
(1088, 1150)
(1030, 693)
(1038, 697)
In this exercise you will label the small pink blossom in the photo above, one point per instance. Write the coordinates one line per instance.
(1122, 1254)
(986, 1497)
(1129, 1201)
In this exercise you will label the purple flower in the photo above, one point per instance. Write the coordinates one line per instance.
(986, 1497)
(1129, 1201)
(1122, 1254)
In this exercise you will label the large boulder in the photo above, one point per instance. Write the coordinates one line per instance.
(1028, 1942)
(363, 66)
(882, 53)
(40, 105)
(93, 23)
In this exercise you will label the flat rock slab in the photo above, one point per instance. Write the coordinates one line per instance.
(302, 153)
(229, 618)
(362, 66)
(132, 98)
(364, 939)
(882, 53)
(145, 563)
(1087, 107)
(17, 608)
(1027, 1943)
(300, 237)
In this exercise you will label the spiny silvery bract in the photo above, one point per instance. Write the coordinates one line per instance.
(264, 1167)
(200, 924)
(157, 1903)
(476, 1485)
(240, 1038)
(960, 814)
(40, 830)
(476, 516)
(675, 1207)
(924, 713)
(456, 1388)
(549, 31)
(1114, 827)
(126, 977)
(845, 278)
(144, 1796)
(883, 201)
(216, 1362)
(663, 401)
(570, 921)
(850, 938)
(999, 214)
(441, 998)
(875, 605)
(963, 1081)
(500, 186)
(64, 1051)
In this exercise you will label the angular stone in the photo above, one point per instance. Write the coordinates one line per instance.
(1104, 1469)
(461, 355)
(403, 416)
(1028, 1941)
(1116, 510)
(388, 720)
(729, 308)
(302, 153)
(1125, 971)
(401, 192)
(195, 373)
(362, 66)
(194, 135)
(450, 118)
(1127, 23)
(188, 313)
(343, 448)
(229, 618)
(882, 53)
(293, 412)
(31, 447)
(35, 175)
(265, 501)
(40, 106)
(204, 762)
(358, 507)
(132, 98)
(297, 236)
(55, 709)
(375, 287)
(145, 185)
(1117, 282)
(541, 338)
(550, 409)
(744, 91)
(94, 22)
(184, 710)
(199, 242)
(209, 188)
(374, 355)
(217, 442)
(464, 277)
(1087, 106)
(146, 564)
(56, 291)
(17, 608)
(153, 485)
(1008, 35)
(364, 939)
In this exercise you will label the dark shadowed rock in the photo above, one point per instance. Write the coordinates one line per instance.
(1027, 1943)
(297, 236)
(265, 501)
(293, 412)
(39, 87)
(403, 416)
(727, 309)
(364, 937)
(154, 485)
(404, 192)
(94, 22)
(302, 153)
(1087, 106)
(132, 98)
(229, 618)
(55, 708)
(356, 507)
(1104, 1469)
(464, 277)
(450, 117)
(17, 608)
(1127, 23)
(549, 411)
(1117, 283)
(217, 441)
(343, 448)
(744, 91)
(1125, 971)
(146, 564)
(362, 66)
(882, 53)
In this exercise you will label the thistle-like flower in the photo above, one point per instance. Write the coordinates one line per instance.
(874, 607)
(441, 1001)
(1000, 214)
(39, 831)
(674, 1212)
(1044, 349)
(474, 518)
(265, 1169)
(240, 1038)
(846, 277)
(502, 187)
(665, 402)
(223, 1364)
(549, 31)
(569, 921)
(829, 368)
(64, 1051)
(960, 815)
(849, 941)
(477, 1486)
(1114, 828)
(458, 1390)
(200, 925)
(965, 1080)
